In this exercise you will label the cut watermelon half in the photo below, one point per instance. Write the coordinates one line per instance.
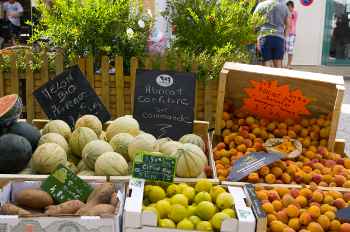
(10, 109)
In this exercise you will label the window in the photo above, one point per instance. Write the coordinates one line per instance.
(336, 45)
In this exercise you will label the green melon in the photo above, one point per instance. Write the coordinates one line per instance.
(10, 109)
(169, 147)
(142, 142)
(57, 126)
(194, 139)
(125, 124)
(90, 121)
(111, 164)
(47, 157)
(15, 153)
(120, 143)
(86, 173)
(55, 138)
(93, 150)
(79, 138)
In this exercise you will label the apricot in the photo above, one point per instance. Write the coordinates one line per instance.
(336, 194)
(305, 122)
(317, 196)
(327, 178)
(310, 154)
(250, 120)
(302, 201)
(314, 211)
(345, 227)
(335, 225)
(277, 226)
(292, 211)
(339, 203)
(291, 134)
(277, 205)
(346, 196)
(277, 171)
(241, 148)
(262, 195)
(268, 207)
(270, 178)
(286, 178)
(315, 227)
(226, 116)
(273, 195)
(347, 184)
(324, 221)
(325, 208)
(287, 199)
(305, 218)
(282, 216)
(239, 140)
(282, 191)
(330, 214)
(226, 132)
(339, 180)
(253, 177)
(347, 163)
(248, 142)
(294, 223)
(270, 218)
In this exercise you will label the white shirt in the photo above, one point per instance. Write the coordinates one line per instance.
(13, 8)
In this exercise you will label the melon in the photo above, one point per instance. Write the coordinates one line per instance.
(79, 138)
(191, 161)
(111, 164)
(93, 150)
(72, 167)
(90, 121)
(55, 138)
(28, 131)
(57, 126)
(120, 143)
(159, 143)
(15, 153)
(103, 136)
(82, 166)
(86, 173)
(47, 157)
(142, 142)
(125, 124)
(194, 139)
(169, 147)
(27, 171)
(10, 109)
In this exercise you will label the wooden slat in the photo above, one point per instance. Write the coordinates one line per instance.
(207, 102)
(2, 88)
(90, 70)
(220, 100)
(179, 66)
(148, 63)
(105, 80)
(44, 68)
(29, 88)
(81, 63)
(335, 117)
(59, 62)
(339, 146)
(133, 68)
(163, 64)
(14, 75)
(194, 70)
(119, 85)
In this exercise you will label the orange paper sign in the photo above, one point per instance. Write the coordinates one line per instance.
(268, 100)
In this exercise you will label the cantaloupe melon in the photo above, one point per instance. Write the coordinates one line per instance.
(125, 124)
(111, 164)
(79, 138)
(93, 150)
(194, 139)
(57, 126)
(142, 142)
(90, 121)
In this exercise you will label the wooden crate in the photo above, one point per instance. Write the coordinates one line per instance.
(325, 92)
(199, 128)
(115, 90)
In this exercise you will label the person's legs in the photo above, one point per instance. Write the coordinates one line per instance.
(278, 51)
(266, 50)
(15, 32)
(290, 49)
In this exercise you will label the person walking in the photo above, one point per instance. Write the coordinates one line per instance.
(291, 32)
(273, 33)
(13, 10)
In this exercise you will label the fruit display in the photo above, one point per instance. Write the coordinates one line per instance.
(303, 209)
(30, 201)
(242, 134)
(202, 206)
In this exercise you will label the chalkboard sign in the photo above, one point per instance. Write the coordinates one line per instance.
(164, 102)
(63, 185)
(153, 167)
(250, 163)
(70, 96)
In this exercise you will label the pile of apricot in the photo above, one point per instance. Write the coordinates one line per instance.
(304, 210)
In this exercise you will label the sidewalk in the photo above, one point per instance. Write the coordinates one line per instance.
(344, 124)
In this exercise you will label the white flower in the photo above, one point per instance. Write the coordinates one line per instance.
(141, 23)
(149, 12)
(130, 33)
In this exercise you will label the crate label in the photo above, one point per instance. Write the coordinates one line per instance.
(164, 102)
(63, 185)
(154, 167)
(70, 96)
(251, 163)
(267, 99)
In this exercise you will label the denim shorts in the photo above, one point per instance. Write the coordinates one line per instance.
(272, 48)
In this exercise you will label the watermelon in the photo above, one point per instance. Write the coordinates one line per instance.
(28, 131)
(15, 153)
(10, 109)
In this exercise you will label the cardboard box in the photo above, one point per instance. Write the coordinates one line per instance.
(134, 220)
(67, 223)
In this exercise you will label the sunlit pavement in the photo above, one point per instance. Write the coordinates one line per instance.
(344, 124)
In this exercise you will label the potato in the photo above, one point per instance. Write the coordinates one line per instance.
(11, 209)
(114, 199)
(34, 199)
(99, 210)
(68, 207)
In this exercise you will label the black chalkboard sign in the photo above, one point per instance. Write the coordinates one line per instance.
(154, 167)
(70, 96)
(250, 163)
(63, 185)
(164, 102)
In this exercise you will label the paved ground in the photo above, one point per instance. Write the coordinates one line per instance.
(344, 124)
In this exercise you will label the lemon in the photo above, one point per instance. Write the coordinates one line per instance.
(166, 223)
(191, 210)
(204, 226)
(189, 192)
(180, 187)
(163, 207)
(203, 185)
(171, 190)
(215, 191)
(179, 199)
(194, 219)
(202, 196)
(230, 212)
(224, 201)
(217, 220)
(156, 193)
(205, 210)
(185, 224)
(177, 212)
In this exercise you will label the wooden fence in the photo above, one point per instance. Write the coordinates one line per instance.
(115, 90)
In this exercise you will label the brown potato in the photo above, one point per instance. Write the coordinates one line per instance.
(99, 210)
(68, 207)
(11, 209)
(34, 199)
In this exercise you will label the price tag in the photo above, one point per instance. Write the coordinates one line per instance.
(250, 163)
(63, 185)
(153, 167)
